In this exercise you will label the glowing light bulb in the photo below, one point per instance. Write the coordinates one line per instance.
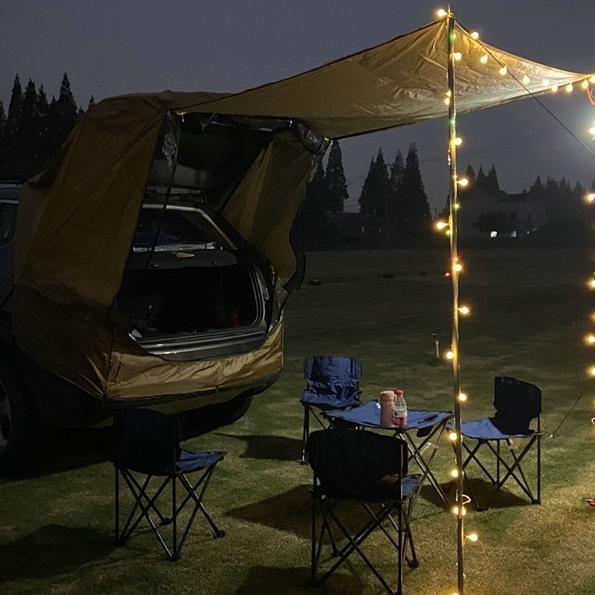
(590, 339)
(555, 88)
(591, 371)
(463, 182)
(457, 206)
(458, 141)
(458, 267)
(475, 35)
(592, 80)
(455, 510)
(592, 316)
(569, 88)
(457, 56)
(454, 473)
(526, 80)
(453, 436)
(441, 13)
(447, 101)
(462, 397)
(449, 93)
(465, 310)
(585, 84)
(473, 537)
(590, 197)
(591, 283)
(484, 59)
(592, 131)
(440, 225)
(450, 355)
(503, 71)
(546, 82)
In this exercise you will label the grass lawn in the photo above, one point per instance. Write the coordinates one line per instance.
(531, 310)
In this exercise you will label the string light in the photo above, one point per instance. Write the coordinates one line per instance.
(458, 268)
(592, 80)
(454, 473)
(591, 371)
(546, 82)
(526, 80)
(503, 71)
(455, 510)
(441, 225)
(462, 397)
(453, 436)
(569, 88)
(441, 13)
(457, 56)
(463, 182)
(585, 84)
(590, 197)
(484, 59)
(591, 283)
(464, 310)
(555, 88)
(473, 537)
(475, 35)
(450, 355)
(590, 339)
(458, 141)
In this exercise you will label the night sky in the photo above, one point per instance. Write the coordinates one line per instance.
(123, 46)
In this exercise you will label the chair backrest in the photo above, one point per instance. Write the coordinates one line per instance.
(516, 403)
(358, 464)
(146, 441)
(336, 375)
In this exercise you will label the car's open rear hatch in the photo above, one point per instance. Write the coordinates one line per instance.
(190, 293)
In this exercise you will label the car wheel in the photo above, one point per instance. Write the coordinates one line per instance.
(19, 429)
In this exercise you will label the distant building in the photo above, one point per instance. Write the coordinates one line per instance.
(497, 215)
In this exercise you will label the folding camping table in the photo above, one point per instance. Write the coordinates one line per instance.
(426, 426)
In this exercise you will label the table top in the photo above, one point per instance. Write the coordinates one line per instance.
(369, 415)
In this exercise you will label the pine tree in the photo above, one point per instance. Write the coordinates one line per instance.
(67, 111)
(537, 188)
(374, 197)
(397, 169)
(91, 102)
(15, 106)
(366, 201)
(336, 185)
(470, 175)
(491, 184)
(481, 179)
(25, 145)
(416, 209)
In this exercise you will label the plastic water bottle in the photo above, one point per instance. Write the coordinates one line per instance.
(387, 408)
(400, 409)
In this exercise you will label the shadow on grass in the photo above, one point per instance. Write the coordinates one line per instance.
(487, 496)
(276, 448)
(289, 511)
(289, 581)
(52, 550)
(65, 450)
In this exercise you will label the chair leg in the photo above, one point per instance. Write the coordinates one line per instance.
(400, 551)
(117, 505)
(174, 519)
(305, 433)
(538, 501)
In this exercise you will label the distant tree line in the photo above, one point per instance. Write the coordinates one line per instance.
(33, 129)
(393, 201)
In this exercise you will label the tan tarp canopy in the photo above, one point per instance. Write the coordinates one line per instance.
(76, 222)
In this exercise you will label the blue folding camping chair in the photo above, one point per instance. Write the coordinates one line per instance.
(332, 382)
(517, 404)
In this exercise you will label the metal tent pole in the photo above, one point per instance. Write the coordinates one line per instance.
(455, 270)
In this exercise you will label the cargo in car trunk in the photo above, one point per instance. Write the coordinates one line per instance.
(187, 288)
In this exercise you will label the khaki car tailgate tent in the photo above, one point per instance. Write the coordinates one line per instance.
(77, 220)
